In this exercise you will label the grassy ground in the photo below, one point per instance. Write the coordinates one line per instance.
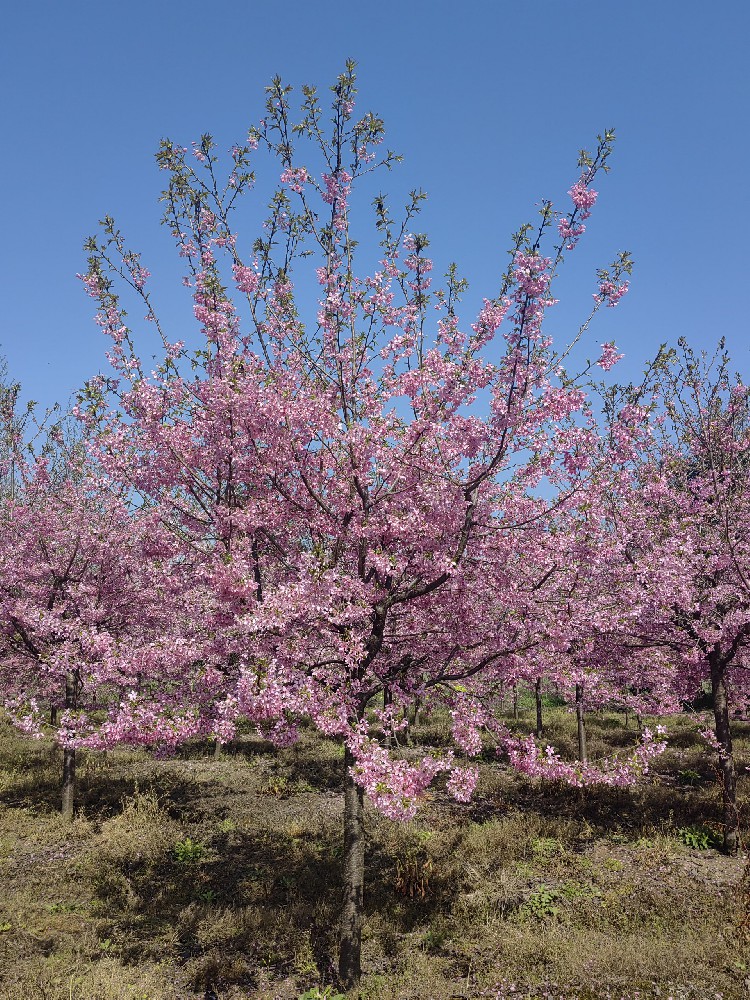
(197, 878)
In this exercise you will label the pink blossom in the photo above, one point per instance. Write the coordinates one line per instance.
(609, 356)
(584, 197)
(462, 783)
(570, 232)
(610, 292)
(296, 178)
(246, 278)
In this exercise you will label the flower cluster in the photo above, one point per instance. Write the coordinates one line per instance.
(611, 292)
(584, 198)
(570, 232)
(609, 356)
(526, 758)
(531, 273)
(247, 279)
(295, 178)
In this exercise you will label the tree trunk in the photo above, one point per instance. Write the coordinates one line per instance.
(68, 782)
(515, 701)
(350, 945)
(390, 736)
(538, 696)
(582, 751)
(407, 728)
(411, 723)
(727, 769)
(53, 715)
(69, 754)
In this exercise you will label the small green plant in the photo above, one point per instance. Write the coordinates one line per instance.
(206, 895)
(188, 851)
(542, 903)
(227, 825)
(435, 937)
(63, 907)
(577, 890)
(584, 865)
(700, 838)
(688, 777)
(544, 848)
(321, 993)
(304, 960)
(277, 785)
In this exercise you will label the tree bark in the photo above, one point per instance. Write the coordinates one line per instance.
(582, 750)
(538, 696)
(350, 944)
(730, 814)
(515, 701)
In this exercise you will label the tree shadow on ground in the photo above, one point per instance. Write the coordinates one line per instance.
(250, 900)
(304, 764)
(100, 788)
(249, 746)
(637, 810)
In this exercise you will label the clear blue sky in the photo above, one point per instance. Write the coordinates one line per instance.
(489, 103)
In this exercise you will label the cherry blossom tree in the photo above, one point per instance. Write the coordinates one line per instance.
(704, 464)
(359, 494)
(85, 592)
(682, 527)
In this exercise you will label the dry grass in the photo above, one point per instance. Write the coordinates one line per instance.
(197, 878)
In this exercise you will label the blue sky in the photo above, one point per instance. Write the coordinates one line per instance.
(489, 102)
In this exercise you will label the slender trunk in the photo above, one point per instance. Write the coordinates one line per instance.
(582, 751)
(407, 728)
(53, 715)
(515, 701)
(727, 769)
(390, 736)
(350, 944)
(411, 722)
(217, 749)
(68, 782)
(69, 754)
(627, 719)
(538, 696)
